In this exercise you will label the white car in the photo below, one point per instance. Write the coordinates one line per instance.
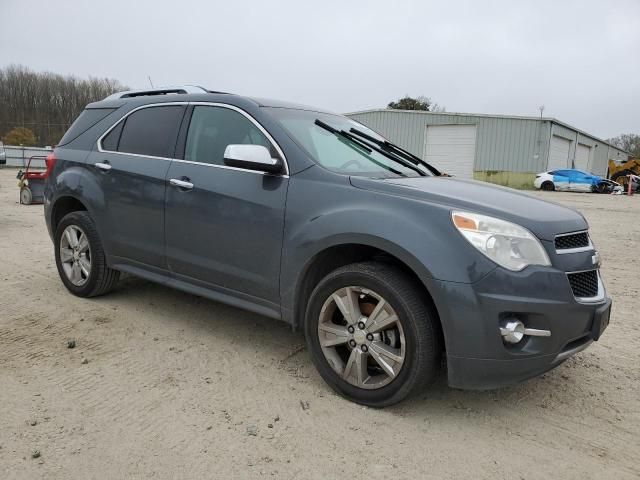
(571, 180)
(3, 155)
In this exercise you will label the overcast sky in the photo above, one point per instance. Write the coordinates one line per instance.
(581, 59)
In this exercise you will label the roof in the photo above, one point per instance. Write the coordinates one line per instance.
(494, 115)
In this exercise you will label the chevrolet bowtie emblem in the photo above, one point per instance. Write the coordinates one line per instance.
(595, 258)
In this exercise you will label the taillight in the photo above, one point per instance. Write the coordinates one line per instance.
(49, 162)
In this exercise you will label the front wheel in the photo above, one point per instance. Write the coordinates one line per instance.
(80, 258)
(372, 334)
(548, 186)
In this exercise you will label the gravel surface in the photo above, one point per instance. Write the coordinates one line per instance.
(177, 386)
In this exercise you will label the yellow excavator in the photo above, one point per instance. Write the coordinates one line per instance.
(618, 171)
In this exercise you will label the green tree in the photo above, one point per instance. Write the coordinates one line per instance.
(629, 142)
(20, 136)
(419, 103)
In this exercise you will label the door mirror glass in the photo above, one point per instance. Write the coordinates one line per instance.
(252, 157)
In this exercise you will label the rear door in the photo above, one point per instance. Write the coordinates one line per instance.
(580, 181)
(131, 165)
(225, 230)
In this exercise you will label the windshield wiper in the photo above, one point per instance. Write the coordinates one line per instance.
(396, 149)
(369, 148)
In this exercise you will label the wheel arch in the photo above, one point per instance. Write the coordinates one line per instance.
(340, 254)
(64, 205)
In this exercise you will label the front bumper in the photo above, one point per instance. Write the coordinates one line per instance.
(471, 315)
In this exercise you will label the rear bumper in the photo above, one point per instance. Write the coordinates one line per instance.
(541, 298)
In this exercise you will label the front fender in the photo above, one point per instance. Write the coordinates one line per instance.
(323, 214)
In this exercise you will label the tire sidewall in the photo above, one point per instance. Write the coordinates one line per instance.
(399, 386)
(84, 222)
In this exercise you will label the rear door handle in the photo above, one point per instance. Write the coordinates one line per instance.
(103, 166)
(185, 184)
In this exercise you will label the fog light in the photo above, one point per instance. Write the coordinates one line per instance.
(513, 331)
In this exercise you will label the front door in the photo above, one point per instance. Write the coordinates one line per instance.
(224, 225)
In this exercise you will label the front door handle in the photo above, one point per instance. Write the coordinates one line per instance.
(184, 184)
(103, 166)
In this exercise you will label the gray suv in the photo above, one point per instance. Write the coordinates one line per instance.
(387, 265)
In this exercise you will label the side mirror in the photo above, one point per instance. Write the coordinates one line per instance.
(252, 157)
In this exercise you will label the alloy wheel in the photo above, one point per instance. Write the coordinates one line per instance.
(75, 255)
(361, 337)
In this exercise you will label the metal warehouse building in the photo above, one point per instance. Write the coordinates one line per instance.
(508, 150)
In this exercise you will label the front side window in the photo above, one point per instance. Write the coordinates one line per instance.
(212, 129)
(150, 131)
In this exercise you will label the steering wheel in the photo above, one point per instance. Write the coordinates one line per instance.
(346, 165)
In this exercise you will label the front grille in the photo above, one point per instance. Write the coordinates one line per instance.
(584, 284)
(572, 240)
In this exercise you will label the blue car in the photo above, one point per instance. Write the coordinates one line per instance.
(571, 180)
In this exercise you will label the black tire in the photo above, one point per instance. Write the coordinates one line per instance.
(101, 279)
(548, 186)
(419, 322)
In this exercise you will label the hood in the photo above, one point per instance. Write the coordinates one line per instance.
(545, 219)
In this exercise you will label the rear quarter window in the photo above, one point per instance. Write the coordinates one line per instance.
(87, 119)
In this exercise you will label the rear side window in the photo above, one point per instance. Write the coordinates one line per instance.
(213, 128)
(150, 131)
(87, 119)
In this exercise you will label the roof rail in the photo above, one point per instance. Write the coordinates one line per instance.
(158, 91)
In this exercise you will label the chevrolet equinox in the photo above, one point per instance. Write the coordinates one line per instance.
(385, 263)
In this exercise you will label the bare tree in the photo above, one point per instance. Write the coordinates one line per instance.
(46, 103)
(629, 142)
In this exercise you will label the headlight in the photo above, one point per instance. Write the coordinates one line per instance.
(509, 245)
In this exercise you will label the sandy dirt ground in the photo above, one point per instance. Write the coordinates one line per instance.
(162, 384)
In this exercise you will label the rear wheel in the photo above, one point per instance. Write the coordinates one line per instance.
(80, 258)
(26, 197)
(548, 186)
(372, 335)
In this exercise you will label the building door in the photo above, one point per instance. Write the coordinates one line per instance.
(583, 153)
(559, 153)
(451, 149)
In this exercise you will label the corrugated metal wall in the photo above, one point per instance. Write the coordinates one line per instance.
(19, 156)
(502, 143)
(600, 152)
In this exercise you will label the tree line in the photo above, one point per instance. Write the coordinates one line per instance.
(38, 107)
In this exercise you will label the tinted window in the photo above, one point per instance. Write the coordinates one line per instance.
(110, 142)
(151, 131)
(213, 128)
(87, 119)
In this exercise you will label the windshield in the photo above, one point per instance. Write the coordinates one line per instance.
(338, 152)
